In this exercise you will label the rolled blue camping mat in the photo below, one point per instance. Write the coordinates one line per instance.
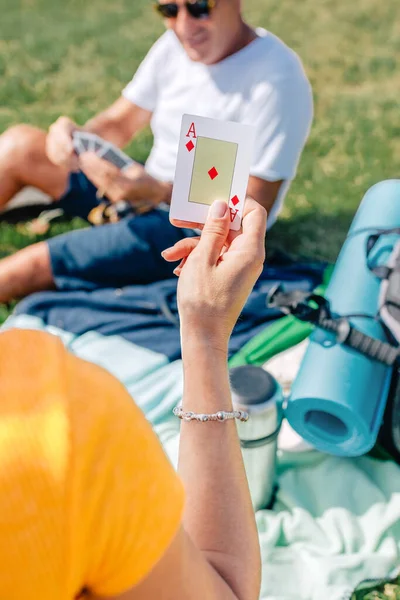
(339, 396)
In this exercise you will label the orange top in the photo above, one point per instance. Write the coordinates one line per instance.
(87, 496)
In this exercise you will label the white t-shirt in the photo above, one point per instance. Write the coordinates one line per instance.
(263, 84)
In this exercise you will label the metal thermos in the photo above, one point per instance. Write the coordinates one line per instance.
(258, 393)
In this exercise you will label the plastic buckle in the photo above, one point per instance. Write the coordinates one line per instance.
(343, 330)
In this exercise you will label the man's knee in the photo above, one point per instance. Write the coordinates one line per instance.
(25, 272)
(21, 145)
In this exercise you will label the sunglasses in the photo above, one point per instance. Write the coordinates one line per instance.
(199, 9)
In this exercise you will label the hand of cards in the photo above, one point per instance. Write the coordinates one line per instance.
(105, 212)
(85, 141)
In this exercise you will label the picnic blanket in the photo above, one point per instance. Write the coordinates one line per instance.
(147, 315)
(334, 522)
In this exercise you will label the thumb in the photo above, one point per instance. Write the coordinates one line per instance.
(215, 232)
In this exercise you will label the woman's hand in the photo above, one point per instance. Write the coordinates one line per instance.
(133, 184)
(218, 272)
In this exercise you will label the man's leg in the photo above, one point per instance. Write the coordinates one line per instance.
(25, 272)
(115, 255)
(23, 162)
(109, 256)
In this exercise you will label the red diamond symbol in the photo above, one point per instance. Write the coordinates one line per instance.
(190, 146)
(213, 173)
(235, 200)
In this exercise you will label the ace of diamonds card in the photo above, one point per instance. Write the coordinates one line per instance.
(214, 159)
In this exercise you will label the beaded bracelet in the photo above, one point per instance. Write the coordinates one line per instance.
(220, 416)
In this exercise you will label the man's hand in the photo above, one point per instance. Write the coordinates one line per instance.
(59, 146)
(133, 184)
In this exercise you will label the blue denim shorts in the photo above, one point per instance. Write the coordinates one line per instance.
(80, 197)
(111, 255)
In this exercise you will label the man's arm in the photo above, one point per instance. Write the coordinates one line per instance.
(120, 122)
(134, 185)
(265, 192)
(117, 124)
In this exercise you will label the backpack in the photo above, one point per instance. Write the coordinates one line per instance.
(315, 309)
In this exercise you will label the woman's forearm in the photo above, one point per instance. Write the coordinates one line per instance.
(219, 516)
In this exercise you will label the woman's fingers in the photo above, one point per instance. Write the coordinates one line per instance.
(187, 224)
(254, 224)
(179, 268)
(216, 237)
(250, 221)
(215, 232)
(181, 249)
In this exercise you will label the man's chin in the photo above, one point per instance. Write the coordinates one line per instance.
(197, 54)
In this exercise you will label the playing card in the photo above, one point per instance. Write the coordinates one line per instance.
(84, 141)
(115, 156)
(214, 159)
(90, 141)
(94, 141)
(81, 141)
(78, 146)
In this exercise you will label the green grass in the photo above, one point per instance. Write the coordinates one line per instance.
(73, 57)
(387, 591)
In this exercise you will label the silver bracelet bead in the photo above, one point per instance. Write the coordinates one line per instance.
(221, 416)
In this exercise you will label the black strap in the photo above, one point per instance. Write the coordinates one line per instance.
(341, 327)
(375, 349)
(305, 306)
(357, 340)
(316, 309)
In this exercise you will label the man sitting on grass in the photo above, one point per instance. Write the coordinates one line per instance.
(210, 62)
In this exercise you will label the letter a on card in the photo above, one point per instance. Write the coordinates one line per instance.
(233, 213)
(192, 131)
